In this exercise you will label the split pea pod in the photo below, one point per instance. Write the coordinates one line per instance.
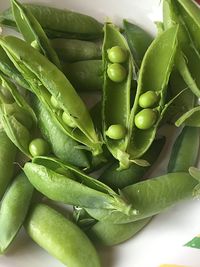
(14, 207)
(38, 71)
(66, 23)
(7, 153)
(66, 241)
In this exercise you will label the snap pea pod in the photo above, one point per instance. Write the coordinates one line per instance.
(65, 24)
(32, 31)
(86, 75)
(62, 188)
(118, 180)
(185, 150)
(116, 95)
(7, 153)
(190, 118)
(63, 146)
(66, 241)
(46, 80)
(70, 50)
(138, 40)
(150, 197)
(153, 77)
(14, 207)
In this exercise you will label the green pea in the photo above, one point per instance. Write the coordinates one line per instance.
(116, 72)
(54, 102)
(35, 45)
(148, 99)
(68, 120)
(116, 131)
(39, 147)
(145, 119)
(117, 54)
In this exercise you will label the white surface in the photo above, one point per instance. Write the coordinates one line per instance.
(162, 240)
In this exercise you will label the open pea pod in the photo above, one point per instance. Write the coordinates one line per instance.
(17, 117)
(152, 77)
(47, 81)
(190, 118)
(66, 189)
(150, 197)
(116, 94)
(32, 31)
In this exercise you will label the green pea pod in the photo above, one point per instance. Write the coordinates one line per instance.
(7, 153)
(14, 208)
(85, 75)
(190, 118)
(116, 95)
(66, 241)
(64, 189)
(150, 197)
(185, 150)
(119, 179)
(108, 234)
(154, 77)
(60, 23)
(32, 31)
(38, 71)
(160, 27)
(63, 146)
(138, 40)
(70, 50)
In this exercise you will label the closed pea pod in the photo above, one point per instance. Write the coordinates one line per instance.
(66, 241)
(190, 118)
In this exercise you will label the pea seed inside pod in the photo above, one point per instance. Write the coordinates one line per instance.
(145, 119)
(54, 102)
(68, 120)
(116, 72)
(39, 147)
(117, 54)
(116, 131)
(149, 99)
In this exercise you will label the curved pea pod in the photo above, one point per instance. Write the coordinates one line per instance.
(119, 179)
(60, 23)
(32, 31)
(153, 77)
(185, 150)
(109, 234)
(46, 80)
(116, 95)
(190, 118)
(7, 153)
(70, 50)
(66, 241)
(83, 191)
(85, 75)
(138, 40)
(150, 197)
(14, 207)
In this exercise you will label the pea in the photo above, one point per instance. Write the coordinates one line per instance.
(117, 54)
(145, 119)
(68, 120)
(116, 131)
(148, 99)
(54, 102)
(116, 72)
(35, 45)
(39, 147)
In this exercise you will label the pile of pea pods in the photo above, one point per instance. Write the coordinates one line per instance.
(55, 149)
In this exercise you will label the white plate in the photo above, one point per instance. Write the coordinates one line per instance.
(162, 241)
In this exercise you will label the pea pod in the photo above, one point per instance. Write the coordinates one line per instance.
(70, 50)
(65, 24)
(62, 145)
(86, 75)
(118, 180)
(38, 71)
(185, 150)
(14, 208)
(138, 40)
(7, 153)
(147, 197)
(32, 31)
(65, 241)
(190, 118)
